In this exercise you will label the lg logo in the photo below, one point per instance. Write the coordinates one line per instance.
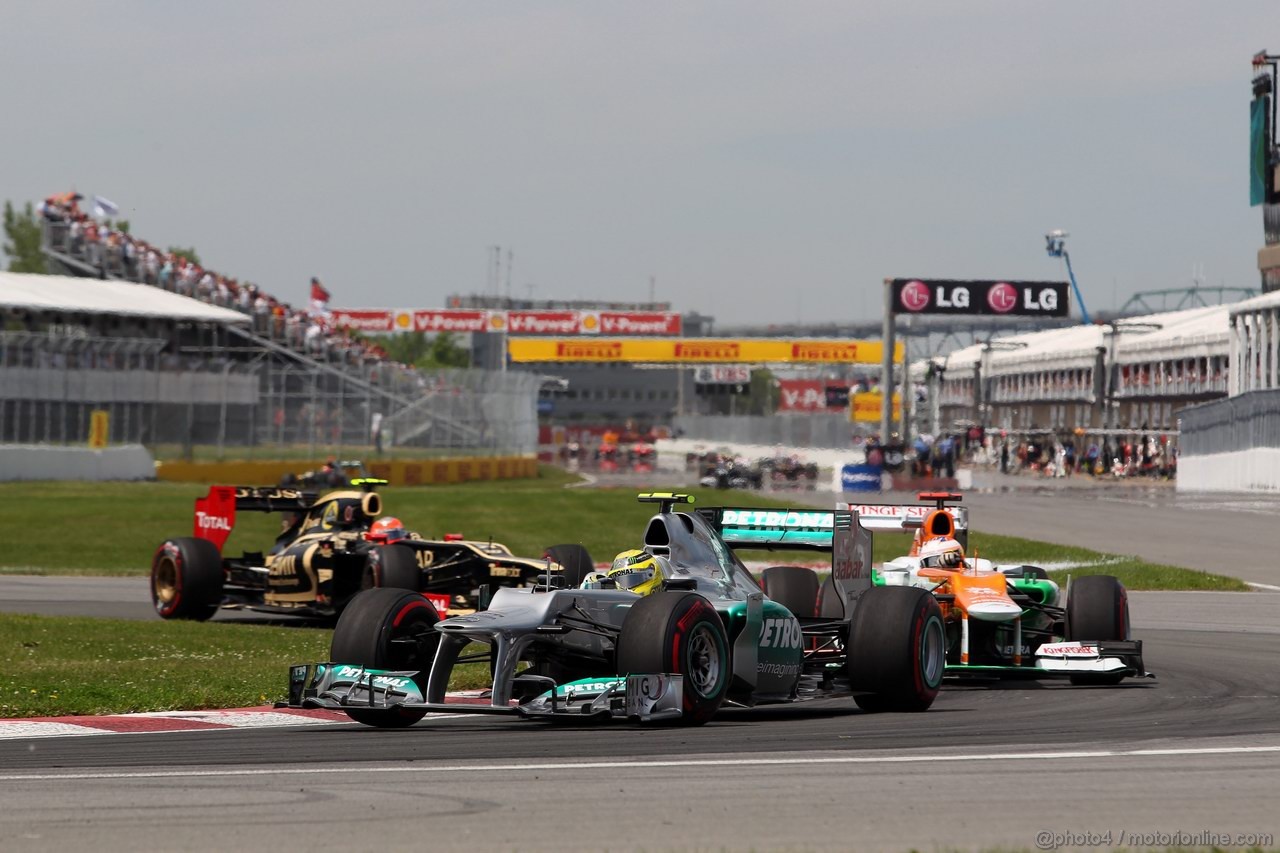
(915, 296)
(1002, 297)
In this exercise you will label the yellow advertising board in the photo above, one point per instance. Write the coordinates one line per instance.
(99, 428)
(865, 407)
(698, 350)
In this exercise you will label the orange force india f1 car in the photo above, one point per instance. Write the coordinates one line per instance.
(1007, 620)
(331, 547)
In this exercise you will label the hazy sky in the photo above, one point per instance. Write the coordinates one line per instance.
(764, 161)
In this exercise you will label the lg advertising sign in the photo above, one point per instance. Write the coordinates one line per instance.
(1012, 298)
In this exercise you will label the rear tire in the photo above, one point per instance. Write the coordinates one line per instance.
(794, 587)
(186, 579)
(679, 633)
(392, 567)
(364, 635)
(1097, 609)
(576, 561)
(897, 649)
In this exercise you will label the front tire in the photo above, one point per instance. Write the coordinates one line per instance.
(186, 579)
(897, 649)
(392, 567)
(679, 633)
(366, 635)
(1097, 609)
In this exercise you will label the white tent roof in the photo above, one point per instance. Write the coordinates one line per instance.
(95, 296)
(1266, 300)
(1190, 333)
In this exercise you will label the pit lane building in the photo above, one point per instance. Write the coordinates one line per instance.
(1130, 374)
(1211, 375)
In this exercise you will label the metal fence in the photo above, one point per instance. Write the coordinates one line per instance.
(50, 385)
(1235, 423)
(817, 429)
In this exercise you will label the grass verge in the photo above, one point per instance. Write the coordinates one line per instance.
(114, 528)
(53, 666)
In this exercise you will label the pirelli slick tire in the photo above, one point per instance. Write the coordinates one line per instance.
(794, 587)
(367, 634)
(897, 649)
(575, 560)
(679, 633)
(392, 567)
(1097, 609)
(186, 579)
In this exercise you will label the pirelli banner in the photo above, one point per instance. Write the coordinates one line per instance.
(951, 296)
(865, 407)
(697, 351)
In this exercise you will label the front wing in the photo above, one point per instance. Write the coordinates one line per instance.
(339, 687)
(1068, 658)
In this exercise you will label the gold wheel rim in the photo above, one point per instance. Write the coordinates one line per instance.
(166, 580)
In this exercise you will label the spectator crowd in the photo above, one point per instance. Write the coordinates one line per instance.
(115, 253)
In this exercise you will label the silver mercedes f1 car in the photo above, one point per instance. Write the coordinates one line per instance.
(705, 635)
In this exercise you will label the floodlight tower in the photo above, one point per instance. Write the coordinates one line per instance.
(1056, 246)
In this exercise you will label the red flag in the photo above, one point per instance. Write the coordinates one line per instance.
(318, 293)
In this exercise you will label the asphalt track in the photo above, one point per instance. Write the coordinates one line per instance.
(1194, 750)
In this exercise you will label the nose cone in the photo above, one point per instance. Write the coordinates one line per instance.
(983, 597)
(993, 611)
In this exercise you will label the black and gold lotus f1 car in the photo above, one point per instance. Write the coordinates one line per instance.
(325, 554)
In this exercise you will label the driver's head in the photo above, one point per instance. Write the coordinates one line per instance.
(636, 571)
(387, 530)
(942, 552)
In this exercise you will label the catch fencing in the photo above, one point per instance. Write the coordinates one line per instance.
(1245, 422)
(51, 384)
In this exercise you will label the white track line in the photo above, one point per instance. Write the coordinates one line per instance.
(419, 767)
(1268, 587)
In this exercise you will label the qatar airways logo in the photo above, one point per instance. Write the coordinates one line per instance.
(212, 522)
(915, 296)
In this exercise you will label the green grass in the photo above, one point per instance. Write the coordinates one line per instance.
(75, 665)
(114, 528)
(51, 666)
(1139, 575)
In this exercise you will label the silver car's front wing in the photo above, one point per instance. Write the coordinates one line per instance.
(644, 697)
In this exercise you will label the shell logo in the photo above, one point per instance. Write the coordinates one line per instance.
(404, 320)
(590, 322)
(497, 321)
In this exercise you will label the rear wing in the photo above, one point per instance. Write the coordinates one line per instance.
(805, 529)
(894, 518)
(215, 514)
(838, 531)
(941, 520)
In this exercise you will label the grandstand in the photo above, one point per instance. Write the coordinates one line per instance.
(269, 373)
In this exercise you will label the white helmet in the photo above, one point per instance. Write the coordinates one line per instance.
(942, 552)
